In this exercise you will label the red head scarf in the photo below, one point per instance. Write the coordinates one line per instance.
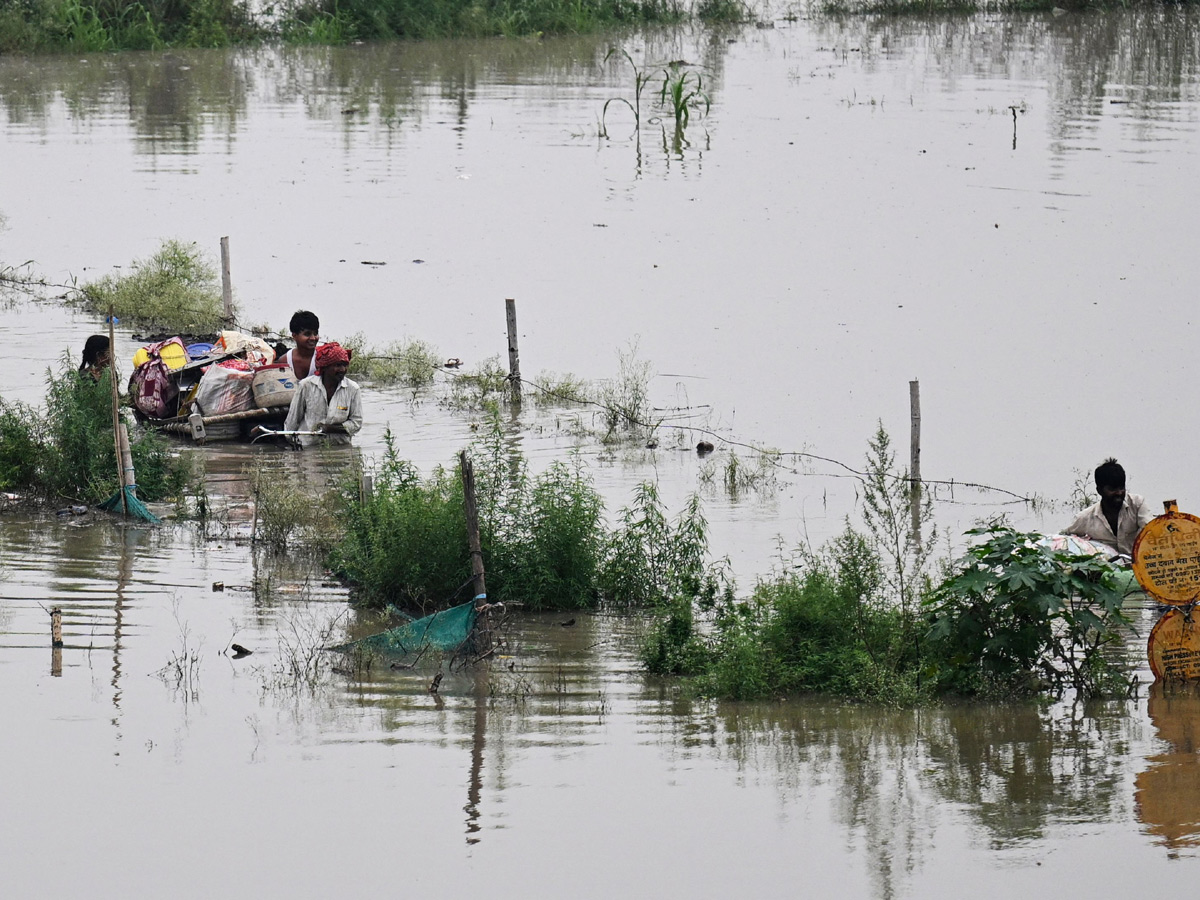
(330, 353)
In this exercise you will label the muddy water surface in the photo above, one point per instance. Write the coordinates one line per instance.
(999, 206)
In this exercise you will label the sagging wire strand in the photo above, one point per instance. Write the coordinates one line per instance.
(774, 457)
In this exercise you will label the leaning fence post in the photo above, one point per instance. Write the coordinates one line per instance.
(483, 625)
(914, 468)
(514, 357)
(226, 283)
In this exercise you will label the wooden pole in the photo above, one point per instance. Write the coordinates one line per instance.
(56, 642)
(116, 410)
(514, 357)
(483, 628)
(226, 282)
(127, 476)
(914, 468)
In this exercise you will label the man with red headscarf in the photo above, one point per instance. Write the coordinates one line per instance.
(328, 404)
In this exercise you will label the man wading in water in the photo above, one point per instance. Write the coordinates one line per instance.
(1116, 520)
(327, 403)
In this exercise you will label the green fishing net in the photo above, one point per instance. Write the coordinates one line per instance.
(446, 630)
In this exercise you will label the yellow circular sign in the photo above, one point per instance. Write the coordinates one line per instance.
(1174, 647)
(1166, 558)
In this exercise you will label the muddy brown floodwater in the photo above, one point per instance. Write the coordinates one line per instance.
(1000, 205)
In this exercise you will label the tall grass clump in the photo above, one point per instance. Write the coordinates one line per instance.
(484, 386)
(175, 290)
(827, 629)
(655, 562)
(406, 543)
(66, 450)
(626, 399)
(289, 508)
(410, 363)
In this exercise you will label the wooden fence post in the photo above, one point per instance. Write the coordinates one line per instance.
(226, 283)
(56, 642)
(483, 627)
(914, 468)
(514, 357)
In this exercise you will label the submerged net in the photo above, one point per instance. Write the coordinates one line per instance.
(446, 630)
(132, 506)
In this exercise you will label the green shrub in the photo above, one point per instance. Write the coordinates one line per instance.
(648, 561)
(175, 290)
(545, 545)
(407, 543)
(67, 450)
(21, 444)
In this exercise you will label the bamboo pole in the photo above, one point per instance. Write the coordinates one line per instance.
(226, 283)
(116, 410)
(483, 628)
(514, 356)
(128, 478)
(914, 469)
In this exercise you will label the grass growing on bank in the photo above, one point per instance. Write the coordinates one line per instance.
(79, 26)
(87, 26)
(66, 451)
(175, 290)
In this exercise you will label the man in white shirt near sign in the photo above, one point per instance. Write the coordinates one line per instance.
(1116, 520)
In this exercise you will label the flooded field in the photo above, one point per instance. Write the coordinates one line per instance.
(999, 206)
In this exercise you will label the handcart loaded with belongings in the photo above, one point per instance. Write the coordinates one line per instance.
(214, 391)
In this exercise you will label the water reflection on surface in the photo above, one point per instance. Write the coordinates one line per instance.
(563, 725)
(1168, 791)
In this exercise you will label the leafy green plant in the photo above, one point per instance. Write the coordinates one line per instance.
(175, 290)
(683, 91)
(1018, 617)
(650, 560)
(641, 79)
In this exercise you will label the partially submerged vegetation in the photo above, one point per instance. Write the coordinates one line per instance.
(406, 543)
(66, 451)
(863, 619)
(175, 290)
(410, 363)
(88, 26)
